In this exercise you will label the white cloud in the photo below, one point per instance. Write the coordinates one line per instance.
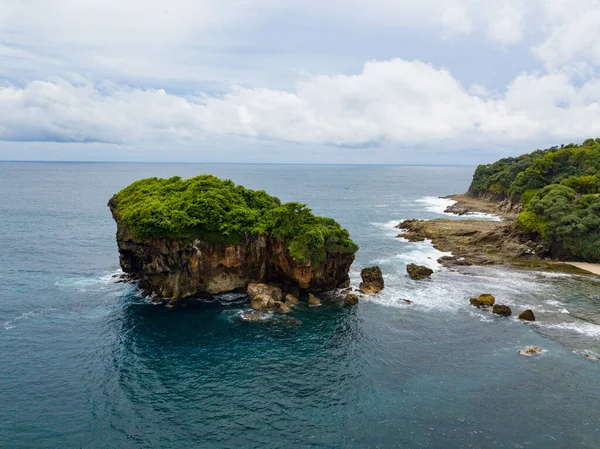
(572, 39)
(395, 101)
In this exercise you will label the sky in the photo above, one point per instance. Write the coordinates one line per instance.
(298, 81)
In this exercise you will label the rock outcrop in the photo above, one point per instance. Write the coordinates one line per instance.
(179, 268)
(418, 272)
(503, 310)
(527, 315)
(313, 300)
(485, 300)
(372, 280)
(351, 299)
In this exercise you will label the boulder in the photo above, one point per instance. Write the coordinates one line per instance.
(418, 272)
(372, 280)
(351, 299)
(527, 315)
(485, 300)
(281, 307)
(263, 303)
(252, 317)
(291, 300)
(255, 289)
(313, 300)
(503, 310)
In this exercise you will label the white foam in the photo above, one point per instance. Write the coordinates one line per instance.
(389, 226)
(439, 206)
(589, 329)
(435, 204)
(84, 283)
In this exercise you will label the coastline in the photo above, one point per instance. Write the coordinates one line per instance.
(486, 242)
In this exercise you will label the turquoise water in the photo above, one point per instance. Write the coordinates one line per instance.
(86, 362)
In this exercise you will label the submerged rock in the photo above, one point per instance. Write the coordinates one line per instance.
(313, 300)
(351, 299)
(418, 272)
(527, 315)
(252, 317)
(503, 310)
(485, 300)
(531, 350)
(372, 280)
(407, 301)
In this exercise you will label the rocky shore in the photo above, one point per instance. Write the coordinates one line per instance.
(498, 206)
(484, 242)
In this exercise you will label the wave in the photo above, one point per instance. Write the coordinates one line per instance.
(588, 329)
(82, 284)
(439, 205)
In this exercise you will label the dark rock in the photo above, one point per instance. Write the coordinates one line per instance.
(527, 315)
(499, 309)
(418, 272)
(407, 301)
(351, 299)
(485, 300)
(372, 280)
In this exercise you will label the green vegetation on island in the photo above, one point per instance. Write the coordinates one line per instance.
(559, 189)
(208, 208)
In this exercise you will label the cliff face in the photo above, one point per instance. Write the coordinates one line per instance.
(173, 268)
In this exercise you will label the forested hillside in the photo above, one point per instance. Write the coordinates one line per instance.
(559, 189)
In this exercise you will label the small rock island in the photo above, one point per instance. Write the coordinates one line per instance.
(204, 236)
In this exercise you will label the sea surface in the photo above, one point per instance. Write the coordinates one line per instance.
(86, 362)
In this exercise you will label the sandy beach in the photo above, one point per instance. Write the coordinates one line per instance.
(591, 267)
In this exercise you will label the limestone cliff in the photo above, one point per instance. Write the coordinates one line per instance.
(183, 268)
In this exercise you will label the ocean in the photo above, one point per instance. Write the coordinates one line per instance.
(86, 362)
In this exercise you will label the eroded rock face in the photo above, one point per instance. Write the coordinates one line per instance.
(418, 272)
(527, 315)
(175, 268)
(372, 280)
(503, 310)
(254, 290)
(485, 300)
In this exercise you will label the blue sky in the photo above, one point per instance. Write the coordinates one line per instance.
(379, 81)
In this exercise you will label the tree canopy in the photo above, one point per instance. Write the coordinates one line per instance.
(211, 209)
(560, 191)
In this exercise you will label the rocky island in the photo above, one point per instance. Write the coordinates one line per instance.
(204, 236)
(549, 202)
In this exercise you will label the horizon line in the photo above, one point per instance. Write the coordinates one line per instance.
(230, 163)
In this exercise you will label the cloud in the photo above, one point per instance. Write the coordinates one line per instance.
(572, 39)
(407, 102)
